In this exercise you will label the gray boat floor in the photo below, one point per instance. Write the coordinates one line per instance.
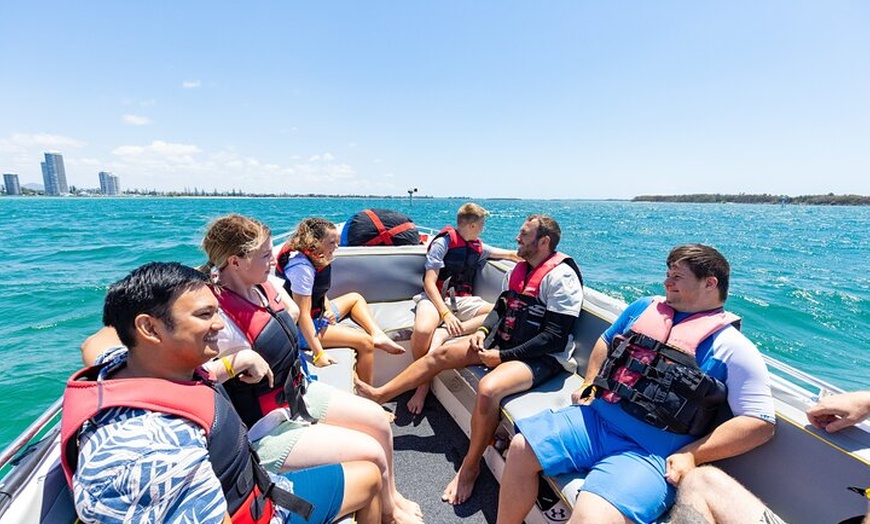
(428, 451)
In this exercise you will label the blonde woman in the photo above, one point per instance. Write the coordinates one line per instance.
(348, 428)
(304, 261)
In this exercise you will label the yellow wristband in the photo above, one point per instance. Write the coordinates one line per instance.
(445, 313)
(484, 329)
(317, 356)
(229, 366)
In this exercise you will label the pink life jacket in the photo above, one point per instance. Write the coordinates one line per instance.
(652, 369)
(524, 310)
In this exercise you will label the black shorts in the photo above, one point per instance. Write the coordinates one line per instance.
(543, 368)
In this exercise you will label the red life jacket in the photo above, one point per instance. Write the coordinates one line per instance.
(524, 310)
(460, 263)
(272, 333)
(322, 279)
(653, 372)
(246, 486)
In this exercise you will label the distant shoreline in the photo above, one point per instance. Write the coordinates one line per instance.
(698, 198)
(806, 200)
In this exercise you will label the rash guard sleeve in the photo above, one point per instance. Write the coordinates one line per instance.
(553, 337)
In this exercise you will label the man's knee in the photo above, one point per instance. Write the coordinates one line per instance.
(704, 479)
(490, 392)
(522, 455)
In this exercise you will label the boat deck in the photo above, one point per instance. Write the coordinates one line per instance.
(428, 450)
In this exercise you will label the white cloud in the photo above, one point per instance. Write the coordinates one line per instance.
(136, 120)
(325, 157)
(191, 84)
(173, 166)
(21, 142)
(159, 150)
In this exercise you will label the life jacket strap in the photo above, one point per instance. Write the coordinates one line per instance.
(281, 497)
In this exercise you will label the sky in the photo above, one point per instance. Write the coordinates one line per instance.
(549, 99)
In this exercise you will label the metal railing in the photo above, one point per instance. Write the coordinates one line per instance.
(34, 429)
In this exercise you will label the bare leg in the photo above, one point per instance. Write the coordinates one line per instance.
(592, 509)
(362, 415)
(454, 354)
(519, 485)
(362, 484)
(427, 336)
(506, 379)
(426, 320)
(338, 336)
(355, 305)
(707, 494)
(355, 429)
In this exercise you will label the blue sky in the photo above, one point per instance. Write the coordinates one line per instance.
(551, 99)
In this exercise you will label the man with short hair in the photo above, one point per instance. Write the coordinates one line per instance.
(525, 340)
(146, 437)
(448, 299)
(661, 375)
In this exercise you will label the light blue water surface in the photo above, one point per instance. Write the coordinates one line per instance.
(799, 274)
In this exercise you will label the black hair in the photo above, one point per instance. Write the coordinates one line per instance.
(149, 289)
(547, 227)
(703, 261)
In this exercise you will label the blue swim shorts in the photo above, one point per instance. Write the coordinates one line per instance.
(323, 487)
(576, 440)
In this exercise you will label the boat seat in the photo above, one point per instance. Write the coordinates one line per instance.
(395, 318)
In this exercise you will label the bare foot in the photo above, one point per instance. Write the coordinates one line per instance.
(365, 390)
(385, 343)
(407, 505)
(400, 516)
(415, 404)
(460, 488)
(391, 417)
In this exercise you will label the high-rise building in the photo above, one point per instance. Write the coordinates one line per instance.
(54, 175)
(109, 184)
(10, 180)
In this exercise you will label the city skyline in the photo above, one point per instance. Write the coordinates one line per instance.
(54, 181)
(564, 99)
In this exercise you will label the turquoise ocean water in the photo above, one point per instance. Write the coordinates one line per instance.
(799, 274)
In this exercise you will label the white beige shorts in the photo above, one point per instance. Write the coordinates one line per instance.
(466, 307)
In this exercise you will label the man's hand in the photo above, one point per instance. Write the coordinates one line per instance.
(476, 340)
(836, 412)
(678, 465)
(577, 396)
(490, 357)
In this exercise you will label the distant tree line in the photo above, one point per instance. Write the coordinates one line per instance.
(717, 198)
(196, 192)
